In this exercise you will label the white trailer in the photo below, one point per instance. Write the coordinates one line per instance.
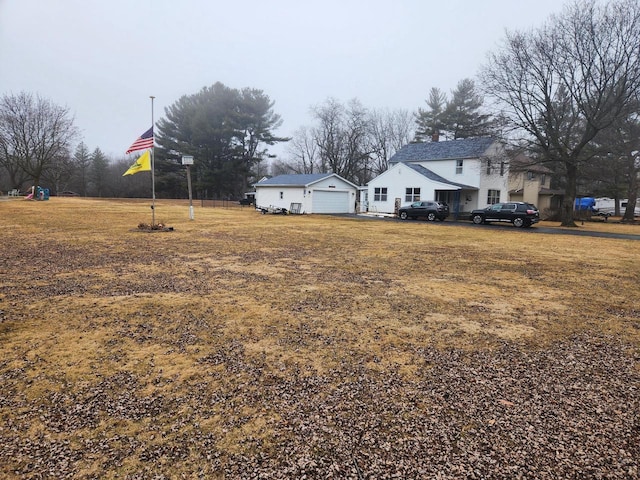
(608, 205)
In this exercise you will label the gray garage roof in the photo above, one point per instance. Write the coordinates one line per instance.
(294, 180)
(462, 148)
(437, 178)
(297, 180)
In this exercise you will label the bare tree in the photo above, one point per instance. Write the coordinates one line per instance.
(390, 130)
(357, 147)
(329, 135)
(34, 135)
(60, 171)
(342, 137)
(303, 151)
(562, 84)
(350, 140)
(280, 167)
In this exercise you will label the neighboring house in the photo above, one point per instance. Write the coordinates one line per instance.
(530, 182)
(312, 193)
(466, 173)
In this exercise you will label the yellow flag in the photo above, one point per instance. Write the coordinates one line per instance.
(143, 164)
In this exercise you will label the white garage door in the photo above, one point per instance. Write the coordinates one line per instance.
(330, 202)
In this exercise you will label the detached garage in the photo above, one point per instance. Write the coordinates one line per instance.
(312, 193)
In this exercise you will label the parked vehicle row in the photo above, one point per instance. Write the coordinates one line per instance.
(520, 214)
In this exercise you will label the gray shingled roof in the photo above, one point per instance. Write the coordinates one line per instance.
(462, 148)
(437, 178)
(294, 180)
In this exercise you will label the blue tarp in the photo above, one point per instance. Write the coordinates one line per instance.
(585, 203)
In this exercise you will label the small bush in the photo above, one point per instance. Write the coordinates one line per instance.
(550, 215)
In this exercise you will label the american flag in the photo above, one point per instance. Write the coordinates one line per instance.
(143, 141)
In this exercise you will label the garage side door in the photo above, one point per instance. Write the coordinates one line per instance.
(330, 202)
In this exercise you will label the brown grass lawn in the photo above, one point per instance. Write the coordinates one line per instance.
(242, 345)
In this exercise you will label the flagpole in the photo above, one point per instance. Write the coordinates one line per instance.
(153, 180)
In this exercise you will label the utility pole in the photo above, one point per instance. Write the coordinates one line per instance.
(188, 161)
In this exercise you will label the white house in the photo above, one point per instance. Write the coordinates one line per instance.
(467, 173)
(307, 193)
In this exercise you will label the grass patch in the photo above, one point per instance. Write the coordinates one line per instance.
(125, 352)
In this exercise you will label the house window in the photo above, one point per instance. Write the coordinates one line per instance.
(543, 179)
(281, 195)
(488, 167)
(459, 164)
(493, 197)
(502, 169)
(380, 194)
(412, 194)
(531, 176)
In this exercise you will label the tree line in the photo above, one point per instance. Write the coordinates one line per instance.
(565, 93)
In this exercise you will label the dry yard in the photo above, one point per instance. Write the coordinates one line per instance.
(242, 345)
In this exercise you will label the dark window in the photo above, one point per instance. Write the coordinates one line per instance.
(412, 194)
(380, 194)
(493, 197)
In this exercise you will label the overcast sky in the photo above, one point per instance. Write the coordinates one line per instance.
(104, 59)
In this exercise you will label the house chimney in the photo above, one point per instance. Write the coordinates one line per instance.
(435, 137)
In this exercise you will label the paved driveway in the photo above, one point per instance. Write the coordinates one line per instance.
(532, 231)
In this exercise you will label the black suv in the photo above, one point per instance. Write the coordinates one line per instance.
(429, 210)
(521, 214)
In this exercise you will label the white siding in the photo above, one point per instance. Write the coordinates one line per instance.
(447, 169)
(270, 196)
(335, 196)
(493, 181)
(397, 179)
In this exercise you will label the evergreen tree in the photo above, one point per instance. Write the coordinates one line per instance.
(429, 123)
(226, 131)
(82, 160)
(458, 117)
(98, 174)
(463, 117)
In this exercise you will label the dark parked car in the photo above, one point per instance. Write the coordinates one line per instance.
(521, 214)
(428, 209)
